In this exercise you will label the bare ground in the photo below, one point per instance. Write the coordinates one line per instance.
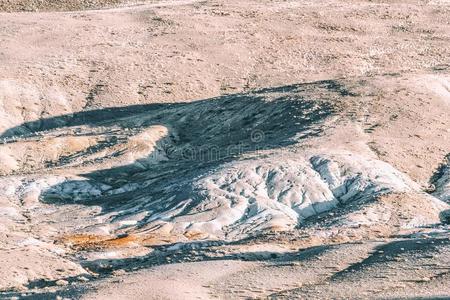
(175, 150)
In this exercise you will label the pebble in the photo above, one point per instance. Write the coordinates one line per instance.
(62, 282)
(119, 272)
(82, 278)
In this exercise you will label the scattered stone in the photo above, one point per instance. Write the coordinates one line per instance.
(83, 279)
(62, 282)
(119, 272)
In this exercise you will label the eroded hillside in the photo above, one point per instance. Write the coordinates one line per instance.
(277, 135)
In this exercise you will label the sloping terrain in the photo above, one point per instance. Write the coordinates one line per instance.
(262, 149)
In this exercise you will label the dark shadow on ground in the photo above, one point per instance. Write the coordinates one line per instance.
(390, 251)
(439, 173)
(190, 252)
(397, 253)
(203, 135)
(203, 251)
(107, 116)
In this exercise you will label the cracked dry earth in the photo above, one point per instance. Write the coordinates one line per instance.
(224, 149)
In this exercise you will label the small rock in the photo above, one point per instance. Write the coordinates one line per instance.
(119, 272)
(62, 282)
(82, 278)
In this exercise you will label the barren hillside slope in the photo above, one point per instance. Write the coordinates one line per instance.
(256, 149)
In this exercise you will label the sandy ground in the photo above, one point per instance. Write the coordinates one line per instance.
(224, 149)
(69, 5)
